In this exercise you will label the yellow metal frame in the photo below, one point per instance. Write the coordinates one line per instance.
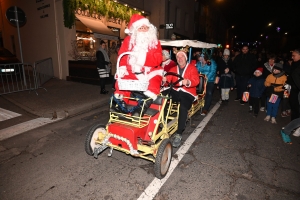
(169, 127)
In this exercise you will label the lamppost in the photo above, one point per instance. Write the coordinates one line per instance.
(228, 35)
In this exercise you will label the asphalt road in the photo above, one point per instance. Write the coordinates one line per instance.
(235, 157)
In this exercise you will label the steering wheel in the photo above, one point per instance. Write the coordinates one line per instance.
(180, 78)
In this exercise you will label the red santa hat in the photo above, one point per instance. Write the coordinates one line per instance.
(181, 52)
(260, 70)
(135, 22)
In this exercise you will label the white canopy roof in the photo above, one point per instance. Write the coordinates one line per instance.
(183, 43)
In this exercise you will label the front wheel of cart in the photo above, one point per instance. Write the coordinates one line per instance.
(163, 159)
(91, 137)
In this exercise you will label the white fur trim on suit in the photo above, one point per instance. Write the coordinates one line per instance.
(140, 23)
(154, 73)
(150, 94)
(141, 58)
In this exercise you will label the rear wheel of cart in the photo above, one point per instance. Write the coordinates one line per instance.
(91, 137)
(163, 159)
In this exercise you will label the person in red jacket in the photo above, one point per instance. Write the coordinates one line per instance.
(184, 92)
(167, 63)
(144, 62)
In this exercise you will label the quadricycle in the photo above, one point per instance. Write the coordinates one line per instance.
(148, 135)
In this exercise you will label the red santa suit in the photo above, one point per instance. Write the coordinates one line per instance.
(168, 63)
(190, 73)
(143, 64)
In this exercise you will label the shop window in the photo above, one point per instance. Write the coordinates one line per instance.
(85, 45)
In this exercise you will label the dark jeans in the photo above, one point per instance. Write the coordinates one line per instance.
(241, 85)
(294, 103)
(291, 126)
(285, 104)
(210, 87)
(186, 101)
(272, 108)
(263, 99)
(254, 102)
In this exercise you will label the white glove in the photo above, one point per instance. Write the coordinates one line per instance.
(287, 87)
(122, 71)
(136, 68)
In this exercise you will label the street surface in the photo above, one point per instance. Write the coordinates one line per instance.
(236, 156)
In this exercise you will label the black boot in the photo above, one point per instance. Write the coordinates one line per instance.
(118, 105)
(138, 110)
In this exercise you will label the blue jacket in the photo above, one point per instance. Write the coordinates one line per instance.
(209, 70)
(257, 86)
(226, 81)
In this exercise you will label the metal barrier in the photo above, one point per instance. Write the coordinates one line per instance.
(16, 77)
(44, 71)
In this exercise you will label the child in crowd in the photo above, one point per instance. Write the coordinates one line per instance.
(226, 83)
(256, 88)
(274, 91)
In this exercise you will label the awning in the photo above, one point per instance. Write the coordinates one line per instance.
(99, 29)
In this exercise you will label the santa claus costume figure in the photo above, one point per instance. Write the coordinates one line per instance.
(167, 63)
(144, 62)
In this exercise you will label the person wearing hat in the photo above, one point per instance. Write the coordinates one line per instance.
(274, 90)
(209, 68)
(224, 62)
(144, 62)
(267, 70)
(256, 88)
(184, 92)
(167, 63)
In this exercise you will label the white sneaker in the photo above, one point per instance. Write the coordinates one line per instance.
(267, 118)
(273, 120)
(262, 109)
(297, 132)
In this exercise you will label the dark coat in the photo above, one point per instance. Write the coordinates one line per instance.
(257, 86)
(226, 81)
(222, 65)
(244, 64)
(294, 77)
(101, 63)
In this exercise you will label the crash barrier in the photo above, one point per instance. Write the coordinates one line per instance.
(44, 71)
(16, 77)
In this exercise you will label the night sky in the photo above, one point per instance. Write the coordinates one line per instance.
(251, 17)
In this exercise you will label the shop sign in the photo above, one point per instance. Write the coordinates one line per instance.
(170, 26)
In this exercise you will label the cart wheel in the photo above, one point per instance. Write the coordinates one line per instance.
(91, 136)
(163, 159)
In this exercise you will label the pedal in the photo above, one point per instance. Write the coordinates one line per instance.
(110, 152)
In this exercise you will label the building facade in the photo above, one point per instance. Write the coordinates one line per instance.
(45, 36)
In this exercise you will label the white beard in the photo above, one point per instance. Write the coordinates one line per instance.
(140, 43)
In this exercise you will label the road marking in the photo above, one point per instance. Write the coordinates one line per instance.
(156, 184)
(25, 126)
(6, 114)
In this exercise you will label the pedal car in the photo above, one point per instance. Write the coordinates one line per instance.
(145, 136)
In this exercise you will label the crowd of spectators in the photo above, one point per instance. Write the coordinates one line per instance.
(272, 81)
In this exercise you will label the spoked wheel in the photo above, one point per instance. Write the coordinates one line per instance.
(163, 159)
(91, 137)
